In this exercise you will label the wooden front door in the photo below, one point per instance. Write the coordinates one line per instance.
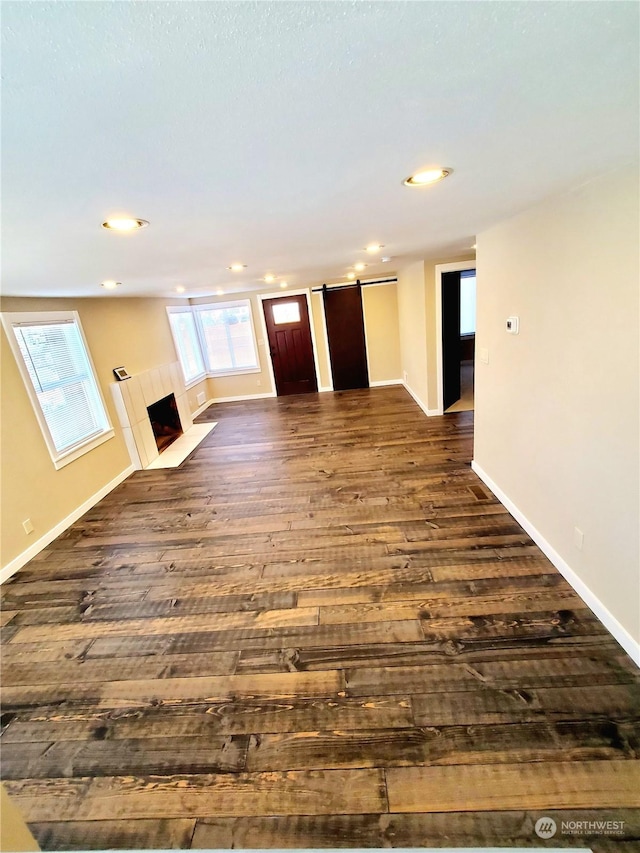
(345, 335)
(289, 332)
(450, 338)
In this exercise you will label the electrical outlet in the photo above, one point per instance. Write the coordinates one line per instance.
(258, 381)
(483, 354)
(201, 398)
(28, 526)
(578, 538)
(404, 375)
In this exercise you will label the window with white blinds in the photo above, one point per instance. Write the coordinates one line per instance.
(55, 364)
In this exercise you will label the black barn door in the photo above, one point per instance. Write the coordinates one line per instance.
(345, 334)
(451, 353)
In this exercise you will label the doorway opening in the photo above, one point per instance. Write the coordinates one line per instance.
(456, 319)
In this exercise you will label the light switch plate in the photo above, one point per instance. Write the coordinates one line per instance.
(483, 354)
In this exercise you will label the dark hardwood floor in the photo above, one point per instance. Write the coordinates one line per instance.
(321, 630)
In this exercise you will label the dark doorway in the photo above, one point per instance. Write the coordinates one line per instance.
(289, 333)
(165, 421)
(458, 339)
(451, 349)
(345, 335)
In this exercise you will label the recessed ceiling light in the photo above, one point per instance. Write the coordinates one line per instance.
(426, 177)
(124, 224)
(385, 260)
(179, 289)
(269, 278)
(284, 284)
(351, 275)
(111, 285)
(359, 267)
(237, 267)
(374, 247)
(220, 292)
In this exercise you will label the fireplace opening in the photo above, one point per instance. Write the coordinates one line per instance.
(165, 421)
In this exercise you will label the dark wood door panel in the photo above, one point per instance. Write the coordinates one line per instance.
(346, 338)
(290, 346)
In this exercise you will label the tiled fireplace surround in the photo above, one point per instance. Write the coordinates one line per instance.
(131, 398)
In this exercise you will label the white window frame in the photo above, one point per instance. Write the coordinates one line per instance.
(235, 303)
(187, 309)
(10, 321)
(195, 311)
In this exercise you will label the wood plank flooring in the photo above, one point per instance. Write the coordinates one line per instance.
(321, 630)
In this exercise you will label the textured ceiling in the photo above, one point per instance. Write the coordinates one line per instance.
(278, 134)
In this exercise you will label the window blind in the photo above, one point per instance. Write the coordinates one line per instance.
(55, 357)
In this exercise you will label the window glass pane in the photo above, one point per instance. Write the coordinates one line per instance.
(467, 304)
(228, 339)
(286, 312)
(186, 340)
(62, 378)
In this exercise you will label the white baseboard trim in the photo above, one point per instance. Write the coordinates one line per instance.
(241, 398)
(428, 412)
(201, 409)
(324, 388)
(379, 383)
(18, 562)
(619, 632)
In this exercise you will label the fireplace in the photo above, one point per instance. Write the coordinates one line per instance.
(133, 399)
(165, 421)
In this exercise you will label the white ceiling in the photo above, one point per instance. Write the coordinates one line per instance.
(278, 133)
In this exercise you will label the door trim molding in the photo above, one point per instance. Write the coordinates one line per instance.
(279, 294)
(323, 319)
(456, 266)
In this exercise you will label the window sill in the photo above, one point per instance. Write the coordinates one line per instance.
(193, 382)
(239, 372)
(219, 374)
(77, 452)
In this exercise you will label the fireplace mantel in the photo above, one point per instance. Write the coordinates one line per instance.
(131, 398)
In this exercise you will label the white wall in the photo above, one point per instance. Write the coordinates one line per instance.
(557, 426)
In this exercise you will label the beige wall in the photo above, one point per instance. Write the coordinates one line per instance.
(130, 332)
(412, 322)
(557, 405)
(380, 305)
(319, 328)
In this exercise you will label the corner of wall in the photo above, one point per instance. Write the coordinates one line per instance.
(619, 632)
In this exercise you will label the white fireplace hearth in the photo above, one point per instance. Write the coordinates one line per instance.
(131, 398)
